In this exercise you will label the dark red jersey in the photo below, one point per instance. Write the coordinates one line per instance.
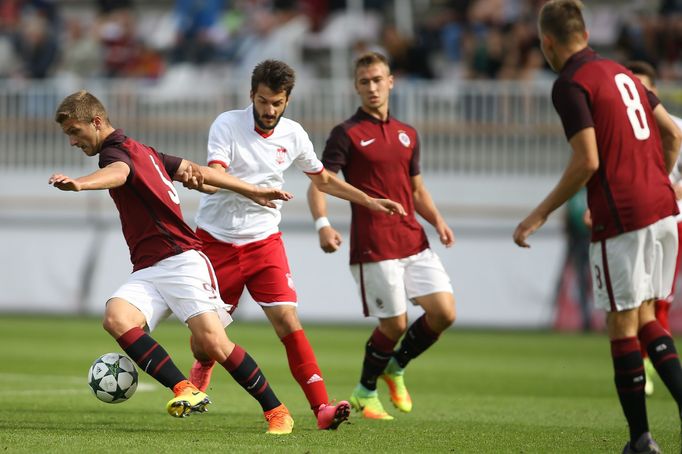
(378, 158)
(147, 203)
(631, 189)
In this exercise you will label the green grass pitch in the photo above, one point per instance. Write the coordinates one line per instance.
(474, 392)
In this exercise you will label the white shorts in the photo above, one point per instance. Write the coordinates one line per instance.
(634, 267)
(386, 286)
(183, 284)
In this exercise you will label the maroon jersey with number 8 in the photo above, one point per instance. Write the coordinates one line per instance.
(631, 189)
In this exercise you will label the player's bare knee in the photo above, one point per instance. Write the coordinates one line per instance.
(393, 328)
(290, 321)
(116, 325)
(284, 319)
(210, 346)
(448, 318)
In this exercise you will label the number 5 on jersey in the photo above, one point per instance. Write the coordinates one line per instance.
(173, 193)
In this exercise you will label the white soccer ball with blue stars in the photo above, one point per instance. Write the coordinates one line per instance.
(113, 378)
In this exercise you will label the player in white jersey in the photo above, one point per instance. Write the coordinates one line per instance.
(647, 75)
(259, 158)
(243, 241)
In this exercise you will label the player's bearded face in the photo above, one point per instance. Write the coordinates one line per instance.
(268, 107)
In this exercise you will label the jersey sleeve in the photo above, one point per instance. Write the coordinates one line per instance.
(572, 104)
(337, 150)
(306, 160)
(170, 163)
(653, 99)
(219, 143)
(109, 155)
(415, 169)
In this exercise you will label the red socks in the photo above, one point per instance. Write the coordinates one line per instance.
(304, 368)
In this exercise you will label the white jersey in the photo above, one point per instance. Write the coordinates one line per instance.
(246, 154)
(676, 174)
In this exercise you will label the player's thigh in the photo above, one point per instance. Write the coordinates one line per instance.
(382, 287)
(427, 283)
(666, 249)
(225, 259)
(269, 279)
(143, 296)
(634, 267)
(188, 284)
(678, 263)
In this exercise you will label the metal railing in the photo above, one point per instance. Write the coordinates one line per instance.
(471, 128)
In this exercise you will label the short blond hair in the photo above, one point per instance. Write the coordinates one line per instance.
(563, 19)
(80, 106)
(370, 58)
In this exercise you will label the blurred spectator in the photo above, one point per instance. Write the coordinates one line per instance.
(124, 54)
(10, 15)
(484, 52)
(81, 55)
(655, 36)
(452, 22)
(278, 32)
(116, 33)
(196, 20)
(37, 46)
(407, 58)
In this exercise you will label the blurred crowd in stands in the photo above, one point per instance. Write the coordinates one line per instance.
(469, 39)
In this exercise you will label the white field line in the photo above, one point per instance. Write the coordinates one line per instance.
(8, 379)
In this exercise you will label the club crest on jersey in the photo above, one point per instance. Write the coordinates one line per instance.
(281, 155)
(404, 138)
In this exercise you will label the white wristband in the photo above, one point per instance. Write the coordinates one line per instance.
(321, 222)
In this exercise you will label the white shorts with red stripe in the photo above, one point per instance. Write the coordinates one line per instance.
(183, 284)
(386, 286)
(634, 267)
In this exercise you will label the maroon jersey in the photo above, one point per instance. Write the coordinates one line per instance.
(378, 158)
(631, 189)
(147, 203)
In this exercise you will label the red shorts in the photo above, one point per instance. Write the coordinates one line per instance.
(262, 267)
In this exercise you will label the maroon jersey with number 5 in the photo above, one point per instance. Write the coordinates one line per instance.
(147, 203)
(631, 189)
(379, 158)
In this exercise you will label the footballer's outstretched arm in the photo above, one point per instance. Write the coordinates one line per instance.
(109, 177)
(332, 185)
(206, 179)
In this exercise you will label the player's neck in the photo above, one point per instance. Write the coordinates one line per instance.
(106, 132)
(566, 52)
(380, 114)
(265, 133)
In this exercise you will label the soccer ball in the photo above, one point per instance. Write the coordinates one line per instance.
(112, 378)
